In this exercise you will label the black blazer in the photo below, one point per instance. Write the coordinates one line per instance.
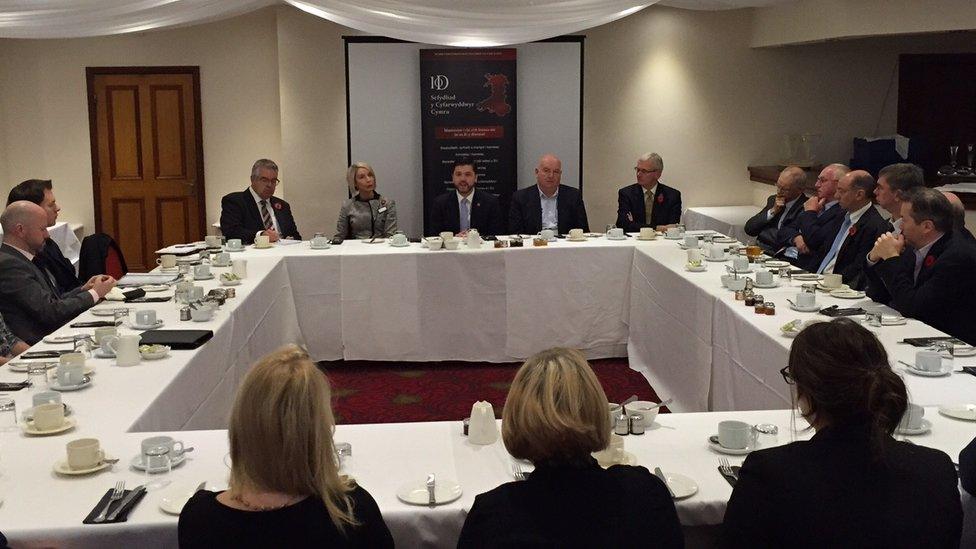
(630, 207)
(525, 213)
(768, 232)
(967, 467)
(943, 296)
(29, 303)
(818, 232)
(486, 214)
(51, 258)
(240, 217)
(826, 492)
(586, 506)
(852, 255)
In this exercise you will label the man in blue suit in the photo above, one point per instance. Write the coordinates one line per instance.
(465, 207)
(648, 203)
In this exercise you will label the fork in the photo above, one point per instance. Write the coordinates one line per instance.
(116, 495)
(727, 468)
(517, 471)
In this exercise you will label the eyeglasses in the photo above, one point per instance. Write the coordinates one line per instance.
(642, 171)
(787, 375)
(267, 180)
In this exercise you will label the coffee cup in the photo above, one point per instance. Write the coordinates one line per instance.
(103, 332)
(930, 361)
(548, 234)
(451, 243)
(46, 397)
(69, 359)
(48, 416)
(614, 452)
(167, 261)
(673, 232)
(694, 256)
(70, 373)
(84, 453)
(201, 271)
(616, 232)
(647, 233)
(126, 349)
(146, 317)
(240, 268)
(912, 419)
(174, 446)
(832, 280)
(576, 234)
(716, 252)
(691, 241)
(740, 264)
(220, 259)
(474, 239)
(321, 242)
(806, 299)
(234, 244)
(735, 435)
(262, 241)
(213, 241)
(764, 278)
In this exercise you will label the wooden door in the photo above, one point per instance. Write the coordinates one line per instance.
(147, 158)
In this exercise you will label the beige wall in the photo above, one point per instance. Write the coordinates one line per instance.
(45, 123)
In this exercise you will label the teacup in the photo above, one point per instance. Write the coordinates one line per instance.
(548, 234)
(740, 264)
(673, 232)
(736, 284)
(201, 271)
(213, 241)
(912, 419)
(175, 446)
(764, 277)
(694, 255)
(146, 317)
(576, 234)
(240, 268)
(452, 243)
(716, 252)
(736, 435)
(806, 300)
(647, 233)
(691, 241)
(474, 239)
(234, 244)
(220, 259)
(446, 235)
(262, 241)
(68, 359)
(832, 280)
(613, 453)
(399, 239)
(320, 242)
(103, 332)
(70, 373)
(46, 397)
(616, 232)
(84, 453)
(48, 416)
(930, 361)
(125, 348)
(167, 261)
(435, 242)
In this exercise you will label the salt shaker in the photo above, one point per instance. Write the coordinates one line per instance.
(621, 425)
(636, 424)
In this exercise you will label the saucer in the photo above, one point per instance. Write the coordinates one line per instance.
(168, 269)
(61, 467)
(629, 459)
(28, 414)
(810, 309)
(926, 373)
(208, 277)
(319, 247)
(776, 264)
(404, 245)
(583, 239)
(174, 499)
(709, 258)
(415, 492)
(163, 353)
(679, 237)
(746, 271)
(256, 247)
(28, 427)
(232, 250)
(724, 240)
(22, 367)
(103, 353)
(714, 445)
(616, 238)
(774, 284)
(698, 269)
(807, 277)
(847, 294)
(55, 386)
(959, 411)
(221, 265)
(680, 485)
(891, 320)
(828, 289)
(136, 463)
(225, 282)
(925, 427)
(154, 288)
(158, 324)
(107, 311)
(60, 339)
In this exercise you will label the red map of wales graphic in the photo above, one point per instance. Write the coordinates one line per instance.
(497, 102)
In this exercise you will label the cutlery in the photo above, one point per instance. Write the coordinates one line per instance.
(517, 471)
(430, 489)
(132, 495)
(660, 475)
(727, 468)
(659, 404)
(623, 405)
(791, 303)
(912, 366)
(766, 428)
(116, 495)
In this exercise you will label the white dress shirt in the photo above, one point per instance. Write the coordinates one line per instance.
(257, 202)
(550, 210)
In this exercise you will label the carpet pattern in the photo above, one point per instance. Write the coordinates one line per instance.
(385, 392)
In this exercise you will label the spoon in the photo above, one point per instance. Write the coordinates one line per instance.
(766, 428)
(623, 405)
(659, 404)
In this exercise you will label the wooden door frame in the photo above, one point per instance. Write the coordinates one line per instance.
(194, 72)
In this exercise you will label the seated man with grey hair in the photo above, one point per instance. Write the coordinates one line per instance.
(30, 301)
(895, 181)
(648, 203)
(781, 209)
(926, 272)
(256, 211)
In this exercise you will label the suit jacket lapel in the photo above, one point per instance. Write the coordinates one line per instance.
(252, 208)
(927, 264)
(535, 204)
(10, 250)
(475, 209)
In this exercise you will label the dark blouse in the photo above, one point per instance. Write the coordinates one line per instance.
(207, 523)
(582, 506)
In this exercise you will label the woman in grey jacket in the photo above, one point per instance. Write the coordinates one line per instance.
(366, 214)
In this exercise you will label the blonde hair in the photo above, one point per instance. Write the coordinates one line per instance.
(351, 175)
(281, 434)
(556, 409)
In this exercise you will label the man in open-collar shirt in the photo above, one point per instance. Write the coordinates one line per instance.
(895, 181)
(547, 204)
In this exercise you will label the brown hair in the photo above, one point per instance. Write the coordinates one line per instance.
(842, 373)
(281, 434)
(556, 409)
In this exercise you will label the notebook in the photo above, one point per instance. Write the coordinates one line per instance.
(176, 339)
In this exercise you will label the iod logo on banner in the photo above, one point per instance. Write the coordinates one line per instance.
(439, 82)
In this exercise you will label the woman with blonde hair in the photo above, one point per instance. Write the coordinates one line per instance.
(556, 416)
(366, 214)
(285, 487)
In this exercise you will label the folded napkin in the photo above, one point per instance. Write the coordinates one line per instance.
(122, 507)
(730, 478)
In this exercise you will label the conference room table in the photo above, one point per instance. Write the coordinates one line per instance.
(728, 220)
(673, 323)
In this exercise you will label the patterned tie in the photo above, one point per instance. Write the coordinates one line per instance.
(832, 253)
(465, 219)
(266, 216)
(648, 206)
(39, 263)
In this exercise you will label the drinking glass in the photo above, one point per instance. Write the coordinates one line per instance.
(8, 414)
(156, 460)
(946, 350)
(37, 377)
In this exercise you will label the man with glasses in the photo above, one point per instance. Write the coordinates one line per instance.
(547, 204)
(781, 209)
(811, 233)
(648, 203)
(255, 211)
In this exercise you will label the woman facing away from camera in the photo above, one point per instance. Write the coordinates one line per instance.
(852, 484)
(285, 487)
(556, 416)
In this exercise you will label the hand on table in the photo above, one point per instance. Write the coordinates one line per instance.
(102, 284)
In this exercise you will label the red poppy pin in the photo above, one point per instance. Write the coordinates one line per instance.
(382, 202)
(660, 199)
(852, 231)
(277, 205)
(929, 260)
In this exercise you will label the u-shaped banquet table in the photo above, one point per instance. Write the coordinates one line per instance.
(682, 330)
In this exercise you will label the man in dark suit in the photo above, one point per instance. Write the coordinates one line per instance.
(861, 226)
(30, 301)
(958, 216)
(967, 467)
(465, 208)
(547, 204)
(895, 181)
(781, 209)
(810, 234)
(926, 272)
(648, 203)
(50, 258)
(256, 211)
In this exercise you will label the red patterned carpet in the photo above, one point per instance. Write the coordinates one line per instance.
(385, 392)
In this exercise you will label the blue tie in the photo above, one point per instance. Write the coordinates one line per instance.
(845, 226)
(465, 220)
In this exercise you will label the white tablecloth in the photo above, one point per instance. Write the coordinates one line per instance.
(729, 220)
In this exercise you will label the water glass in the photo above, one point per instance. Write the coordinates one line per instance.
(37, 377)
(947, 350)
(156, 460)
(8, 414)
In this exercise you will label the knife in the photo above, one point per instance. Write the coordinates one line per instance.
(125, 501)
(660, 475)
(430, 489)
